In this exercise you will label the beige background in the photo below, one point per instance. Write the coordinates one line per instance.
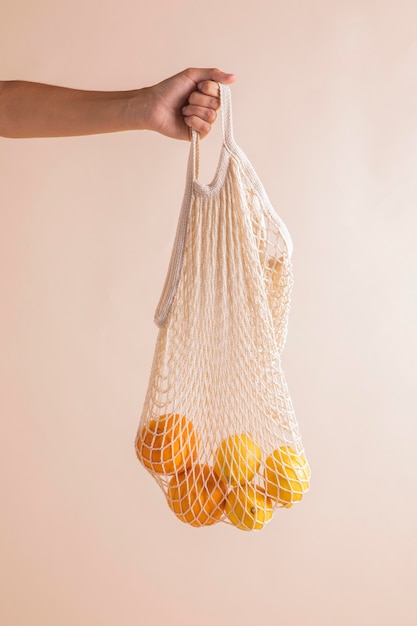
(325, 107)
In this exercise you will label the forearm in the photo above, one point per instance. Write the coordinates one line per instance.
(37, 110)
(188, 100)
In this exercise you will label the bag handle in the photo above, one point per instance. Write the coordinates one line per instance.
(225, 95)
(175, 266)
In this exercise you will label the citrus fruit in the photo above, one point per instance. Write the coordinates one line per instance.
(168, 444)
(237, 459)
(287, 475)
(197, 496)
(274, 268)
(248, 508)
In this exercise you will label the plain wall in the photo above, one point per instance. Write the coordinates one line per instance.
(325, 108)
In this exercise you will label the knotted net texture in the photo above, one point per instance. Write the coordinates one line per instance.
(218, 430)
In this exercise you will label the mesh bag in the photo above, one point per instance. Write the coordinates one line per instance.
(218, 430)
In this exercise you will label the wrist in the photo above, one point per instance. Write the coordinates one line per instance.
(138, 112)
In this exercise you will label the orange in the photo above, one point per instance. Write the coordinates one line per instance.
(167, 445)
(197, 497)
(287, 475)
(274, 268)
(248, 507)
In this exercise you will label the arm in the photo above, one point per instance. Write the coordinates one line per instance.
(187, 100)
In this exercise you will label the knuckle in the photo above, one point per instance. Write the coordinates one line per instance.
(203, 86)
(194, 97)
(211, 89)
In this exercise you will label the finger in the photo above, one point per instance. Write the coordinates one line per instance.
(201, 126)
(201, 100)
(208, 115)
(209, 88)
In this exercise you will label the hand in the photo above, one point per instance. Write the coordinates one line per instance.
(187, 100)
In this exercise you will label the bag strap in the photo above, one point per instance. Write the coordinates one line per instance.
(175, 266)
(227, 132)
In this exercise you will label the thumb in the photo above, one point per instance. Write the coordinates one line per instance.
(200, 74)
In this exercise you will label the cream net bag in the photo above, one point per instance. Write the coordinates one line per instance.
(218, 430)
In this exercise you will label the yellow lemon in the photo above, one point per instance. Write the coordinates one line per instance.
(237, 459)
(248, 508)
(290, 458)
(287, 475)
